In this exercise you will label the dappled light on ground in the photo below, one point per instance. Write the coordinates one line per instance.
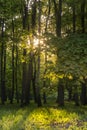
(44, 118)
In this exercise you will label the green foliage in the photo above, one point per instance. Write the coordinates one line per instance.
(71, 52)
(9, 8)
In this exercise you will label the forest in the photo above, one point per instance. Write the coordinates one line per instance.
(43, 64)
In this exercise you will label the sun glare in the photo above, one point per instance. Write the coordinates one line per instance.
(36, 41)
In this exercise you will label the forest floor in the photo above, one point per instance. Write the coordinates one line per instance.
(48, 117)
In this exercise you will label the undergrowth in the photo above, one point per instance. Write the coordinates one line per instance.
(48, 117)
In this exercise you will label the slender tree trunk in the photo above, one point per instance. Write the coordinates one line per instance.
(13, 80)
(59, 18)
(25, 17)
(23, 78)
(76, 98)
(70, 93)
(83, 2)
(38, 82)
(44, 82)
(44, 97)
(38, 61)
(33, 17)
(24, 73)
(69, 89)
(33, 62)
(16, 74)
(83, 92)
(76, 95)
(29, 78)
(34, 81)
(2, 89)
(0, 67)
(60, 93)
(58, 13)
(74, 17)
(12, 93)
(4, 78)
(3, 65)
(47, 19)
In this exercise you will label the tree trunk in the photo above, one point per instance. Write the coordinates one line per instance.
(39, 103)
(34, 81)
(3, 65)
(25, 17)
(44, 98)
(44, 81)
(58, 12)
(76, 97)
(13, 80)
(23, 78)
(38, 60)
(47, 19)
(25, 24)
(33, 16)
(45, 70)
(70, 93)
(4, 78)
(74, 17)
(16, 74)
(60, 93)
(83, 94)
(83, 2)
(29, 78)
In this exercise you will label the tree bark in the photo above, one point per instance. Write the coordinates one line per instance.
(34, 80)
(60, 93)
(23, 78)
(83, 2)
(47, 19)
(74, 17)
(38, 60)
(70, 93)
(16, 74)
(76, 96)
(33, 17)
(3, 65)
(58, 13)
(29, 78)
(83, 94)
(13, 77)
(25, 24)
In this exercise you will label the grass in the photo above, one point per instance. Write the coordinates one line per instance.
(49, 117)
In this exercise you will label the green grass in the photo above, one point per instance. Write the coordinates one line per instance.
(49, 117)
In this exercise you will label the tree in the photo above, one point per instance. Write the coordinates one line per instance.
(83, 2)
(3, 64)
(74, 16)
(24, 98)
(38, 59)
(58, 12)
